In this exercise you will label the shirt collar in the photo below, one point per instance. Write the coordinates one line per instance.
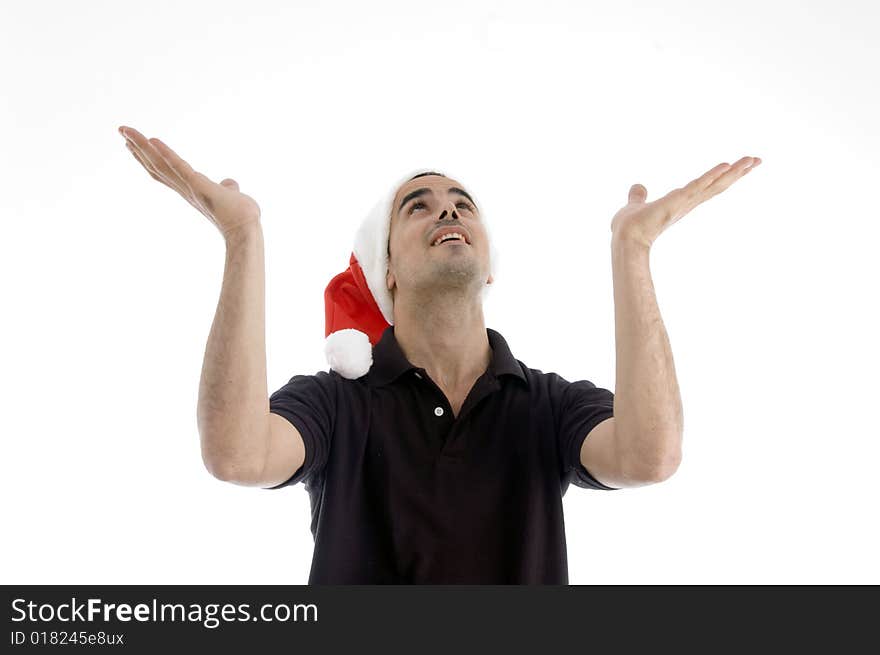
(389, 362)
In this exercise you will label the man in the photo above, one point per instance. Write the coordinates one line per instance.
(442, 458)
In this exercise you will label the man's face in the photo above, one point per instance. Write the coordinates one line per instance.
(423, 209)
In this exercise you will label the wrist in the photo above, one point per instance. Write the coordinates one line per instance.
(626, 244)
(243, 233)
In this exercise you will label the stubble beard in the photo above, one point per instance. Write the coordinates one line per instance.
(448, 275)
(451, 274)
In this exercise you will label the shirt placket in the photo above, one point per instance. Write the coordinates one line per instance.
(451, 429)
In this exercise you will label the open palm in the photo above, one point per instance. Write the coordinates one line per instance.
(643, 221)
(223, 204)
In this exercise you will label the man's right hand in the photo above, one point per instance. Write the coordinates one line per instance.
(223, 204)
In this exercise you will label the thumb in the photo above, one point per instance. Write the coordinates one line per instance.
(637, 193)
(229, 182)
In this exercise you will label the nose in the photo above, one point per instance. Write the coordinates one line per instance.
(445, 212)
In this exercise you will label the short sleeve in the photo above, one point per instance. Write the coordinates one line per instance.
(580, 406)
(309, 403)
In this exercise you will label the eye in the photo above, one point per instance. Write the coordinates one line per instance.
(414, 205)
(466, 205)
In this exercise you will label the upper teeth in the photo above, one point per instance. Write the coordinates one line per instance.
(446, 236)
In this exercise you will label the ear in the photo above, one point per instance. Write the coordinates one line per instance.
(490, 280)
(389, 280)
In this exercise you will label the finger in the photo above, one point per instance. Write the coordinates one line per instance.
(144, 162)
(201, 186)
(707, 178)
(149, 153)
(739, 168)
(637, 193)
(149, 166)
(695, 188)
(151, 169)
(185, 193)
(141, 161)
(188, 196)
(191, 177)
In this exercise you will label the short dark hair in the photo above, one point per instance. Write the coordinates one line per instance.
(423, 174)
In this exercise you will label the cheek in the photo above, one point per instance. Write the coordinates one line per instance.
(484, 240)
(403, 245)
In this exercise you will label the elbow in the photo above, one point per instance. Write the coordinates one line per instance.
(667, 459)
(228, 470)
(663, 474)
(231, 458)
(666, 467)
(238, 469)
(656, 467)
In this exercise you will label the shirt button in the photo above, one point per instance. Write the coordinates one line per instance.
(438, 411)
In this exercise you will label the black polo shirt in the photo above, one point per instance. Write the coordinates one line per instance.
(403, 492)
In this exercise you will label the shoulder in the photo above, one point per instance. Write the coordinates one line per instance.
(326, 386)
(327, 379)
(546, 382)
(553, 388)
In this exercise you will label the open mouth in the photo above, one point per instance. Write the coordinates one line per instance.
(450, 238)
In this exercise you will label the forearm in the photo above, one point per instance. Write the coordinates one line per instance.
(233, 405)
(647, 404)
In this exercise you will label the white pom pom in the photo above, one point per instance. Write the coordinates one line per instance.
(349, 353)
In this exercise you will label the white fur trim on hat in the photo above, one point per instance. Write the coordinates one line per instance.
(349, 352)
(371, 248)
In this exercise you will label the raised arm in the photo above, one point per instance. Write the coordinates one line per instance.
(240, 442)
(642, 444)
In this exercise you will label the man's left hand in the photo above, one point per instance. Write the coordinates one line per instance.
(642, 222)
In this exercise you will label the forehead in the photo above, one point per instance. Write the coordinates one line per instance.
(437, 183)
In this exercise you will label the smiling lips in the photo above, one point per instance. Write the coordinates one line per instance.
(455, 234)
(449, 239)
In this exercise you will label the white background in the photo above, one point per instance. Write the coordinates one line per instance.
(548, 112)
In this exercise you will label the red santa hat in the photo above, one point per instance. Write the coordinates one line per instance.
(358, 305)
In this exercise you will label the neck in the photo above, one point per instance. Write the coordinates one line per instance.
(445, 335)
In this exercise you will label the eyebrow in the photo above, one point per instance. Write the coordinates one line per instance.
(420, 192)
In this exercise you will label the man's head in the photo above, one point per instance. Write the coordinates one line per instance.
(424, 207)
(394, 257)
